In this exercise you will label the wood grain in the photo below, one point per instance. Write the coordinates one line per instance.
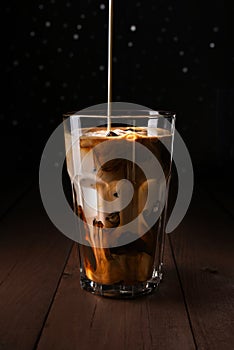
(79, 320)
(32, 258)
(203, 248)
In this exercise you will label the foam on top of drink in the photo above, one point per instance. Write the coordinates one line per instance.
(125, 132)
(94, 136)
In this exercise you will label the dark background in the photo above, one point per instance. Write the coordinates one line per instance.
(173, 55)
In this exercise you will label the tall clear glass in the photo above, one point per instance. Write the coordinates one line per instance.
(120, 180)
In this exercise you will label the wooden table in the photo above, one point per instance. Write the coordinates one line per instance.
(42, 306)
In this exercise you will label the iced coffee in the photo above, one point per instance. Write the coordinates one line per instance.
(109, 195)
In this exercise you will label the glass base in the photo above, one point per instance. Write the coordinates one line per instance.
(120, 291)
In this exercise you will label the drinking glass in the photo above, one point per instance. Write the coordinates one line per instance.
(120, 179)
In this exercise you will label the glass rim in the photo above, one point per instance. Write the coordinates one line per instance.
(137, 113)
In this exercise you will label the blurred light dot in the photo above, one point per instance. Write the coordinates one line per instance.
(115, 59)
(68, 4)
(41, 6)
(65, 25)
(75, 36)
(102, 6)
(175, 39)
(101, 68)
(59, 49)
(44, 100)
(181, 53)
(47, 24)
(133, 28)
(185, 69)
(56, 164)
(15, 122)
(79, 26)
(200, 98)
(32, 33)
(41, 67)
(64, 85)
(71, 54)
(47, 84)
(216, 29)
(163, 30)
(82, 16)
(62, 98)
(130, 44)
(44, 42)
(167, 19)
(212, 45)
(170, 8)
(15, 63)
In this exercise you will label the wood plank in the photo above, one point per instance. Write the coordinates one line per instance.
(32, 258)
(203, 247)
(80, 320)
